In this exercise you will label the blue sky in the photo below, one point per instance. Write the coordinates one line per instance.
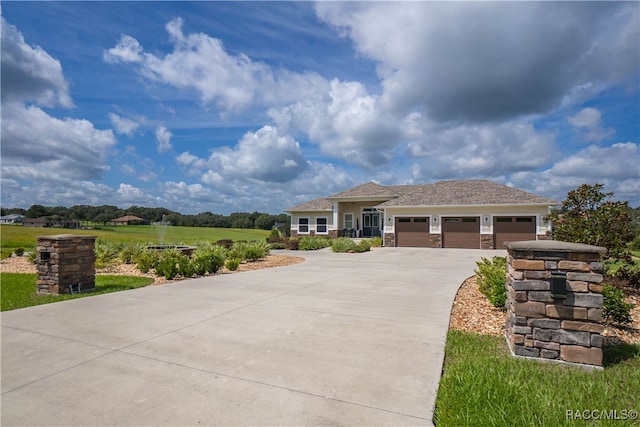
(245, 106)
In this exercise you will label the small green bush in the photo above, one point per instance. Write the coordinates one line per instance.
(615, 310)
(362, 246)
(146, 260)
(293, 244)
(629, 272)
(313, 243)
(19, 251)
(492, 280)
(209, 258)
(376, 242)
(107, 253)
(256, 250)
(342, 245)
(130, 252)
(232, 264)
(278, 245)
(167, 266)
(33, 257)
(275, 234)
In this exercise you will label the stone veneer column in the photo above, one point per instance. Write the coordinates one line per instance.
(389, 240)
(543, 325)
(65, 261)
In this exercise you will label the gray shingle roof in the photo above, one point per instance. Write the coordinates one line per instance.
(370, 189)
(321, 204)
(442, 193)
(466, 192)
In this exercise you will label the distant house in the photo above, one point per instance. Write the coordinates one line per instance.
(51, 222)
(11, 219)
(129, 220)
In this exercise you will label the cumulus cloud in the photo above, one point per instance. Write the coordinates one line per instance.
(504, 64)
(163, 139)
(29, 73)
(615, 166)
(587, 123)
(124, 125)
(263, 155)
(42, 148)
(198, 61)
(347, 124)
(487, 150)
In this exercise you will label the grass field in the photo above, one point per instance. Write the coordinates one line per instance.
(483, 385)
(18, 290)
(17, 236)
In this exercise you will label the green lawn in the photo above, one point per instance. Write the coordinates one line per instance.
(483, 385)
(18, 290)
(17, 236)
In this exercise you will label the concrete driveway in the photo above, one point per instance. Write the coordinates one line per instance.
(341, 339)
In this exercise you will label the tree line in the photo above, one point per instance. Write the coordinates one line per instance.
(106, 213)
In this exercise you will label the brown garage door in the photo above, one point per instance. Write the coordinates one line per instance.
(462, 232)
(513, 229)
(412, 232)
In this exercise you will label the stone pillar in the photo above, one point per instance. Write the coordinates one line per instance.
(389, 240)
(66, 263)
(554, 301)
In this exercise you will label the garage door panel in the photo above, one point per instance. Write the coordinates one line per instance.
(412, 232)
(513, 229)
(461, 232)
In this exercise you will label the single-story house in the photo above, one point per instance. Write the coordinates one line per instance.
(449, 214)
(129, 220)
(11, 219)
(51, 222)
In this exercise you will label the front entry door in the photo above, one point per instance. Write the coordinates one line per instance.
(371, 224)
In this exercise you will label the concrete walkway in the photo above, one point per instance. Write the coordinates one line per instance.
(341, 339)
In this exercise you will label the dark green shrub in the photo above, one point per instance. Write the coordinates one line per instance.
(629, 272)
(492, 280)
(275, 234)
(225, 243)
(615, 310)
(185, 266)
(209, 258)
(167, 266)
(232, 264)
(19, 251)
(146, 260)
(313, 243)
(293, 244)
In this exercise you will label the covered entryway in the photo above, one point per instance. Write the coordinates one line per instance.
(412, 232)
(513, 229)
(371, 223)
(461, 232)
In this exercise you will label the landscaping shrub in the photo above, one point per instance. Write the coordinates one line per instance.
(19, 251)
(256, 250)
(492, 279)
(293, 244)
(129, 253)
(278, 245)
(630, 273)
(33, 257)
(146, 260)
(107, 253)
(226, 243)
(362, 246)
(343, 244)
(376, 242)
(274, 235)
(232, 264)
(615, 309)
(169, 263)
(238, 250)
(209, 258)
(313, 243)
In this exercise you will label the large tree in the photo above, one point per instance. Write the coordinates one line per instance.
(588, 215)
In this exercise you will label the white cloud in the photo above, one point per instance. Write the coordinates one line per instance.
(129, 194)
(163, 139)
(42, 148)
(484, 61)
(489, 150)
(29, 73)
(587, 123)
(616, 167)
(124, 125)
(198, 61)
(263, 155)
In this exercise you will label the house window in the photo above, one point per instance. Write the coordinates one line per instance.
(348, 221)
(321, 225)
(303, 225)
